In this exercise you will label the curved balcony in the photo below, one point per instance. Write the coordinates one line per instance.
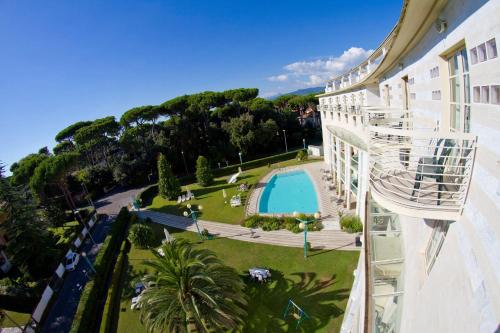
(420, 173)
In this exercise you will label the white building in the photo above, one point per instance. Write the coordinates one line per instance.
(412, 138)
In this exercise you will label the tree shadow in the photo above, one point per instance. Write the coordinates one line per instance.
(267, 302)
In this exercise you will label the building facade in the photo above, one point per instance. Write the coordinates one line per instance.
(412, 139)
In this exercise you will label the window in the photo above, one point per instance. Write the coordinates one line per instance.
(481, 52)
(436, 94)
(485, 94)
(491, 47)
(435, 243)
(411, 81)
(495, 95)
(477, 94)
(434, 72)
(459, 84)
(473, 56)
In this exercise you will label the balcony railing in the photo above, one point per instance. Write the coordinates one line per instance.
(420, 173)
(363, 70)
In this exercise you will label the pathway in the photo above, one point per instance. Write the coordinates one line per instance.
(325, 239)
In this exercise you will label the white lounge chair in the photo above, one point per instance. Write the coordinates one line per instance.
(179, 199)
(183, 198)
(234, 178)
(236, 201)
(190, 195)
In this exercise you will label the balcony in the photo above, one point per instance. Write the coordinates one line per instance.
(420, 173)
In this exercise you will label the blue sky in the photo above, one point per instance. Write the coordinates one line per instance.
(65, 61)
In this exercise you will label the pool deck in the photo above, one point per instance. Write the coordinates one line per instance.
(327, 200)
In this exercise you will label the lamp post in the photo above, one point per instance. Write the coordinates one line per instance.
(194, 215)
(184, 159)
(241, 160)
(84, 255)
(303, 225)
(304, 143)
(286, 146)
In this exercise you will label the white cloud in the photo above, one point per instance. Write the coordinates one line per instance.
(278, 78)
(316, 72)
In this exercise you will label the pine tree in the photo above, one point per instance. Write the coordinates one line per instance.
(168, 185)
(203, 174)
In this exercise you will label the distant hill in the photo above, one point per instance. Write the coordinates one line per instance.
(305, 91)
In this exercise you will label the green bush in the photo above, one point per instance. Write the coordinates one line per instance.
(204, 175)
(141, 235)
(89, 305)
(302, 155)
(168, 184)
(351, 223)
(111, 308)
(269, 223)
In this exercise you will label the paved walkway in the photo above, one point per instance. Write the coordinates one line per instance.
(325, 239)
(327, 199)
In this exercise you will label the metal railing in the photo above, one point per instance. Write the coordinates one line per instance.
(421, 170)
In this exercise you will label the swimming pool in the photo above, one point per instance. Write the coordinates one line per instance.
(288, 192)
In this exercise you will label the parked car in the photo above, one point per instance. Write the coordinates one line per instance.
(135, 303)
(72, 259)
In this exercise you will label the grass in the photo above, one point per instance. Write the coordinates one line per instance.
(67, 232)
(320, 284)
(20, 319)
(215, 207)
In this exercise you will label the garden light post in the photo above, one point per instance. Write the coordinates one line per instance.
(84, 255)
(184, 159)
(303, 225)
(286, 146)
(304, 142)
(241, 160)
(194, 215)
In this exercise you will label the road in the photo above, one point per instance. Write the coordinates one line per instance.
(62, 311)
(64, 307)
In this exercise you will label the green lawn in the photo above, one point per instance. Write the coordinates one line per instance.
(19, 318)
(320, 284)
(214, 206)
(67, 232)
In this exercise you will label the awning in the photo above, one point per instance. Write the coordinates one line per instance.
(348, 136)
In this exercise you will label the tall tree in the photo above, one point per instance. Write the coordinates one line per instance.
(191, 290)
(203, 173)
(54, 171)
(168, 185)
(241, 131)
(31, 248)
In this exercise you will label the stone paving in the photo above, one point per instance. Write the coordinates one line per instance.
(324, 239)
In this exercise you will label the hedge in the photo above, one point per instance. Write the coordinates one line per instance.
(112, 306)
(269, 223)
(87, 313)
(146, 196)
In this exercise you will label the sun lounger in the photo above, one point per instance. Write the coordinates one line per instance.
(235, 201)
(234, 178)
(183, 198)
(179, 199)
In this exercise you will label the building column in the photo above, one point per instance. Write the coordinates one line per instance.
(347, 175)
(339, 167)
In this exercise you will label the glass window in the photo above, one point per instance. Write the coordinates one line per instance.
(481, 52)
(495, 94)
(477, 94)
(387, 314)
(473, 56)
(485, 94)
(436, 240)
(491, 47)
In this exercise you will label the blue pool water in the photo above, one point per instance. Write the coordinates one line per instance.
(289, 192)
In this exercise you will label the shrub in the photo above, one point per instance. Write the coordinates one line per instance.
(141, 235)
(168, 185)
(204, 176)
(351, 223)
(95, 290)
(302, 155)
(269, 223)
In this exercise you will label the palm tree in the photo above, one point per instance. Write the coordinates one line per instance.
(191, 291)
